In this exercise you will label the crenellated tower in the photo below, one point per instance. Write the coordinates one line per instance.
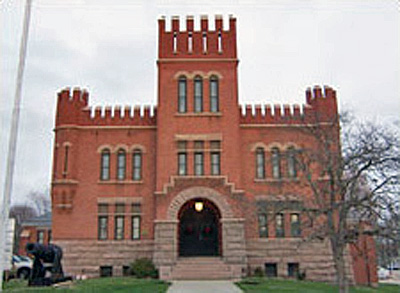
(197, 94)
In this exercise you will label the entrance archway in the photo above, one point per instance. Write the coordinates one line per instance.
(199, 228)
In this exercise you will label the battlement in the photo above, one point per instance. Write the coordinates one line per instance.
(73, 109)
(205, 43)
(321, 106)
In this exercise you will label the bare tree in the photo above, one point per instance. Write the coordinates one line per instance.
(41, 201)
(354, 184)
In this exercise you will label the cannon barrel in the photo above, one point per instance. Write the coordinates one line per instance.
(46, 253)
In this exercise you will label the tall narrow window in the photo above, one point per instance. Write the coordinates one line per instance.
(137, 165)
(102, 227)
(199, 164)
(65, 171)
(102, 224)
(40, 237)
(214, 99)
(198, 94)
(105, 165)
(291, 163)
(219, 42)
(276, 163)
(190, 42)
(260, 163)
(182, 164)
(263, 225)
(182, 85)
(175, 43)
(119, 227)
(121, 165)
(215, 163)
(135, 227)
(279, 225)
(204, 42)
(295, 230)
(182, 158)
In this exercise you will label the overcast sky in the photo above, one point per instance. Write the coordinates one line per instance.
(110, 48)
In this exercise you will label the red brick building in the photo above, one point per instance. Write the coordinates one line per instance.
(193, 177)
(36, 229)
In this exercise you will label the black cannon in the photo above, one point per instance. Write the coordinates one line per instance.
(47, 260)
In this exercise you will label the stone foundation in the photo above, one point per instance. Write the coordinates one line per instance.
(314, 258)
(90, 255)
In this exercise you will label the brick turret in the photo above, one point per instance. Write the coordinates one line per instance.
(73, 109)
(320, 107)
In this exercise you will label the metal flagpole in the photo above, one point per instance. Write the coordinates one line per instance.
(12, 143)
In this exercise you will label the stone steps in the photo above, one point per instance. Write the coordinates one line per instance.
(201, 268)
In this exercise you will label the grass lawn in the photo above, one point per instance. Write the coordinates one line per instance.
(108, 285)
(274, 285)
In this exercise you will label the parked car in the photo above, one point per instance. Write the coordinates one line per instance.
(21, 266)
(383, 273)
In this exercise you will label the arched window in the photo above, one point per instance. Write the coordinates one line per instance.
(137, 165)
(214, 99)
(105, 165)
(182, 88)
(121, 165)
(276, 163)
(291, 162)
(260, 163)
(198, 94)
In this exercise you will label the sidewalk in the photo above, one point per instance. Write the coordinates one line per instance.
(203, 286)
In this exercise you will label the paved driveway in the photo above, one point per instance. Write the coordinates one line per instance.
(203, 286)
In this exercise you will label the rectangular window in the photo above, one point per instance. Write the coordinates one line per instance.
(136, 208)
(106, 271)
(137, 166)
(293, 269)
(199, 145)
(182, 164)
(198, 164)
(40, 237)
(215, 145)
(279, 225)
(263, 225)
(102, 228)
(271, 270)
(120, 208)
(119, 228)
(215, 163)
(126, 271)
(102, 208)
(295, 225)
(135, 227)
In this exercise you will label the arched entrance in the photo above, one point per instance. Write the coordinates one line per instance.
(199, 228)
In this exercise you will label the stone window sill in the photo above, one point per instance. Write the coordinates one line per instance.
(200, 114)
(119, 182)
(276, 180)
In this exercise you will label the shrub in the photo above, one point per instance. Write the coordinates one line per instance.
(144, 268)
(258, 272)
(301, 275)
